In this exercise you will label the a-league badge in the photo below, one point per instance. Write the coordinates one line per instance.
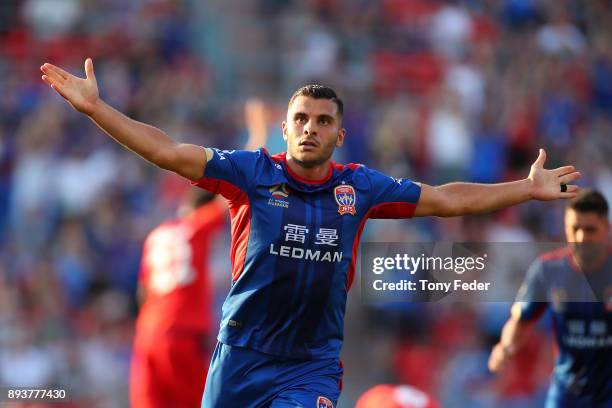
(323, 402)
(279, 191)
(345, 197)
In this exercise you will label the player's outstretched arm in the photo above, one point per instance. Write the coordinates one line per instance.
(147, 141)
(455, 199)
(513, 336)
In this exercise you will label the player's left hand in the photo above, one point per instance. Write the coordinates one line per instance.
(546, 184)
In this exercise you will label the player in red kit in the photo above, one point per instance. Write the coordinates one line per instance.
(175, 330)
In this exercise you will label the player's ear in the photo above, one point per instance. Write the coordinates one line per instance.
(341, 136)
(284, 127)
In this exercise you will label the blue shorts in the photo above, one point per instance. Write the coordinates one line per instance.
(243, 378)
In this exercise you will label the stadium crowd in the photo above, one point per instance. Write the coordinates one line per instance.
(434, 90)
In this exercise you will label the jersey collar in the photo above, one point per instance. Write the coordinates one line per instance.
(282, 158)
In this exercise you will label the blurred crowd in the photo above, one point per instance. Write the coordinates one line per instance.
(435, 90)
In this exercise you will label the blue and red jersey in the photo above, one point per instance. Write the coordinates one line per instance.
(581, 306)
(294, 247)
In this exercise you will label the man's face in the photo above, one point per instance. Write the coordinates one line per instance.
(587, 233)
(312, 130)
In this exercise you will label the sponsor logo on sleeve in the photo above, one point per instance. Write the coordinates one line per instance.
(222, 153)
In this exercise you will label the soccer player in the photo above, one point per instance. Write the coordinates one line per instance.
(296, 222)
(172, 344)
(583, 330)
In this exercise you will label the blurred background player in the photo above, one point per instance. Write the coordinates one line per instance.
(175, 330)
(396, 396)
(583, 373)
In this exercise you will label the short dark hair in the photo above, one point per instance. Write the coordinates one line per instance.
(317, 91)
(589, 201)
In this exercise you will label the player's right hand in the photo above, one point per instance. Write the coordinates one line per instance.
(498, 358)
(81, 93)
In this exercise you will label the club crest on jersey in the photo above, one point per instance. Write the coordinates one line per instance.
(345, 198)
(323, 402)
